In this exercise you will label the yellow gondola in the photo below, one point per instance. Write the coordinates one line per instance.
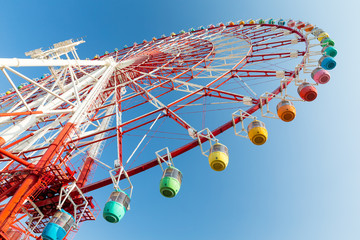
(322, 35)
(257, 132)
(218, 157)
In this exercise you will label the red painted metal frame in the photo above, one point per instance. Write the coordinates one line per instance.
(150, 60)
(222, 128)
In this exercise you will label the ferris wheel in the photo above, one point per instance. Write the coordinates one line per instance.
(143, 105)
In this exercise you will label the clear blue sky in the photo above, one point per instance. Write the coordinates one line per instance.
(302, 184)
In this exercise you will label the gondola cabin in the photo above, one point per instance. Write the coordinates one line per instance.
(307, 92)
(286, 110)
(291, 23)
(116, 206)
(317, 31)
(320, 75)
(327, 42)
(300, 25)
(218, 157)
(281, 22)
(170, 182)
(327, 63)
(309, 27)
(59, 226)
(329, 51)
(257, 132)
(322, 35)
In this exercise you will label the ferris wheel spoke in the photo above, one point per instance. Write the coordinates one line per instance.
(262, 34)
(210, 92)
(279, 64)
(16, 90)
(272, 56)
(184, 86)
(98, 141)
(277, 35)
(273, 45)
(219, 37)
(51, 130)
(40, 86)
(159, 105)
(222, 39)
(17, 104)
(213, 92)
(195, 71)
(246, 30)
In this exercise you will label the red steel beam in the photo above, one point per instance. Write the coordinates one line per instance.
(16, 158)
(20, 113)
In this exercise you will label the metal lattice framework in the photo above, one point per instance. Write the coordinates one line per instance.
(53, 130)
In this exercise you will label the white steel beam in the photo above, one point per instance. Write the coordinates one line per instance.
(24, 62)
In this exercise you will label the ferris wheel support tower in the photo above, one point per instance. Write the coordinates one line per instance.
(32, 182)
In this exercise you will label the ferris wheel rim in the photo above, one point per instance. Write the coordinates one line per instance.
(224, 127)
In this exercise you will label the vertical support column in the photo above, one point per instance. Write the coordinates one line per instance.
(118, 113)
(85, 171)
(120, 129)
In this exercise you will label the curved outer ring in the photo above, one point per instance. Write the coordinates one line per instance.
(217, 131)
